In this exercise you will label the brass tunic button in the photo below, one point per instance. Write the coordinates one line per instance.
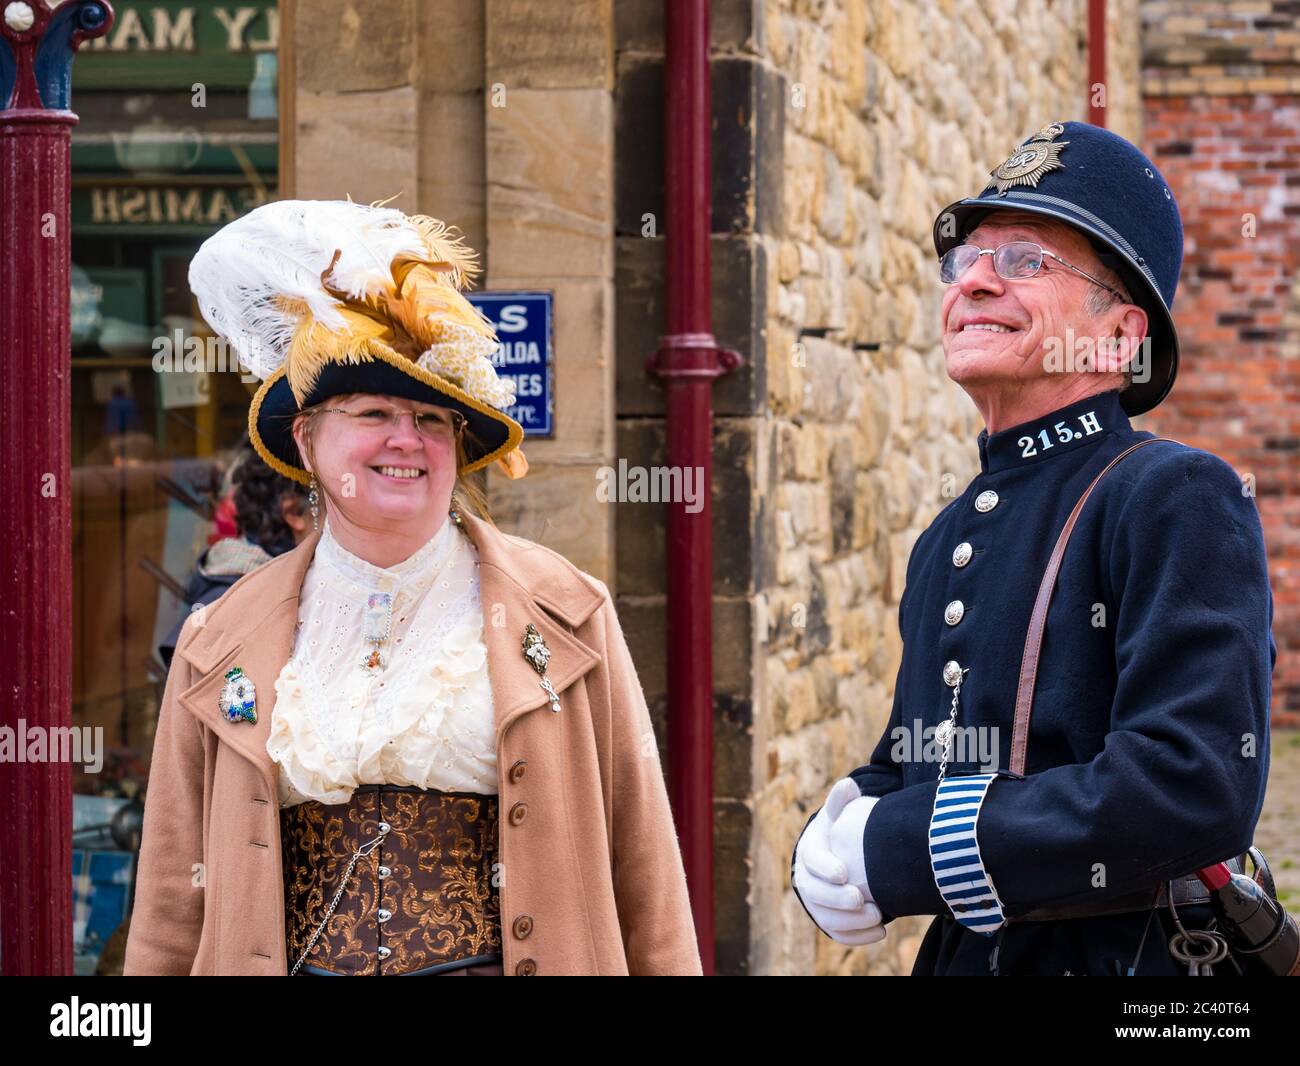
(523, 926)
(517, 771)
(526, 968)
(951, 672)
(986, 500)
(962, 553)
(384, 914)
(518, 812)
(953, 612)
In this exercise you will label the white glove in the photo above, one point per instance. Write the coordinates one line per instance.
(846, 841)
(841, 910)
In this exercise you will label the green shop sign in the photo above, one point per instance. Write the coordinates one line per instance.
(118, 207)
(168, 44)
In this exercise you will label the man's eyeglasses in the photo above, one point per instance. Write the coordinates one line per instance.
(1012, 261)
(434, 425)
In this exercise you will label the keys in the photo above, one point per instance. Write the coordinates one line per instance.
(1199, 949)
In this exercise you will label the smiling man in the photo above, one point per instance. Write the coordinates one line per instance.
(1133, 750)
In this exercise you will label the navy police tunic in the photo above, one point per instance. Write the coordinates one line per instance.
(1148, 745)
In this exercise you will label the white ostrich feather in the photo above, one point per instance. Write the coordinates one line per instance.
(242, 274)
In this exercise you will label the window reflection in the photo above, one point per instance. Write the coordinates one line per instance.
(178, 135)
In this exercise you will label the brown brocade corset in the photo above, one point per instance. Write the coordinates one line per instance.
(420, 898)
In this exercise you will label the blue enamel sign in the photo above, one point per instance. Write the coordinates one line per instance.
(523, 323)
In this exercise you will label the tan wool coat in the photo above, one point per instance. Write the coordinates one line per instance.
(590, 855)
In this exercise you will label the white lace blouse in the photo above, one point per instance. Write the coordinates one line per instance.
(425, 717)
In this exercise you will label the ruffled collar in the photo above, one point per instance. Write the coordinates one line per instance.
(418, 569)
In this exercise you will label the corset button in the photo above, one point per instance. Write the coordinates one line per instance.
(385, 871)
(523, 926)
(526, 968)
(518, 812)
(384, 952)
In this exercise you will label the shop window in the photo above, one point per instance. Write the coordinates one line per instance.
(179, 134)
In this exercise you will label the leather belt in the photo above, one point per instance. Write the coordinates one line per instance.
(421, 897)
(1187, 890)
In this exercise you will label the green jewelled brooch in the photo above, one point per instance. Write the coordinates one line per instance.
(238, 696)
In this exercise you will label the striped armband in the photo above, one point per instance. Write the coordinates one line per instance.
(955, 854)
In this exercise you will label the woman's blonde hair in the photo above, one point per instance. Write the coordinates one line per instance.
(466, 495)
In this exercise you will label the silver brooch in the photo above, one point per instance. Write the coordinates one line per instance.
(539, 657)
(238, 696)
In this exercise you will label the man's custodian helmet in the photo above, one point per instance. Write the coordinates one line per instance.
(1103, 186)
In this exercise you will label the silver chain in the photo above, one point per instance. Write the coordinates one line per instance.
(952, 724)
(365, 849)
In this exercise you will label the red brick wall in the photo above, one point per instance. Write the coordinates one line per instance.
(1222, 122)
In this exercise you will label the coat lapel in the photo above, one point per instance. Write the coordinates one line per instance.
(519, 582)
(259, 647)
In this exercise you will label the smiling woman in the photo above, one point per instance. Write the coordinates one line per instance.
(376, 779)
(387, 468)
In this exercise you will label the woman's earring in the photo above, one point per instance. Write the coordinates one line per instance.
(313, 500)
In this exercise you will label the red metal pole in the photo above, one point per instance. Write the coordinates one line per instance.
(688, 360)
(1097, 62)
(36, 477)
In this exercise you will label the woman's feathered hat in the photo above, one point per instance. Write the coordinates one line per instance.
(320, 298)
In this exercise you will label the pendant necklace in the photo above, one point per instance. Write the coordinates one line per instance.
(377, 624)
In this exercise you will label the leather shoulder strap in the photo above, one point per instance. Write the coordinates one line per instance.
(1038, 620)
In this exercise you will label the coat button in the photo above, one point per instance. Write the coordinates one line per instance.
(526, 968)
(952, 614)
(518, 812)
(986, 500)
(523, 926)
(962, 553)
(951, 672)
(517, 771)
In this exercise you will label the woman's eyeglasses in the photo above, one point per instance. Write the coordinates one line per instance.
(434, 425)
(1012, 261)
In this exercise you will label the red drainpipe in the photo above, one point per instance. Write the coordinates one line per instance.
(36, 476)
(1097, 60)
(688, 360)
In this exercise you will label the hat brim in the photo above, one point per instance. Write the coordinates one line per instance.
(271, 414)
(1141, 396)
